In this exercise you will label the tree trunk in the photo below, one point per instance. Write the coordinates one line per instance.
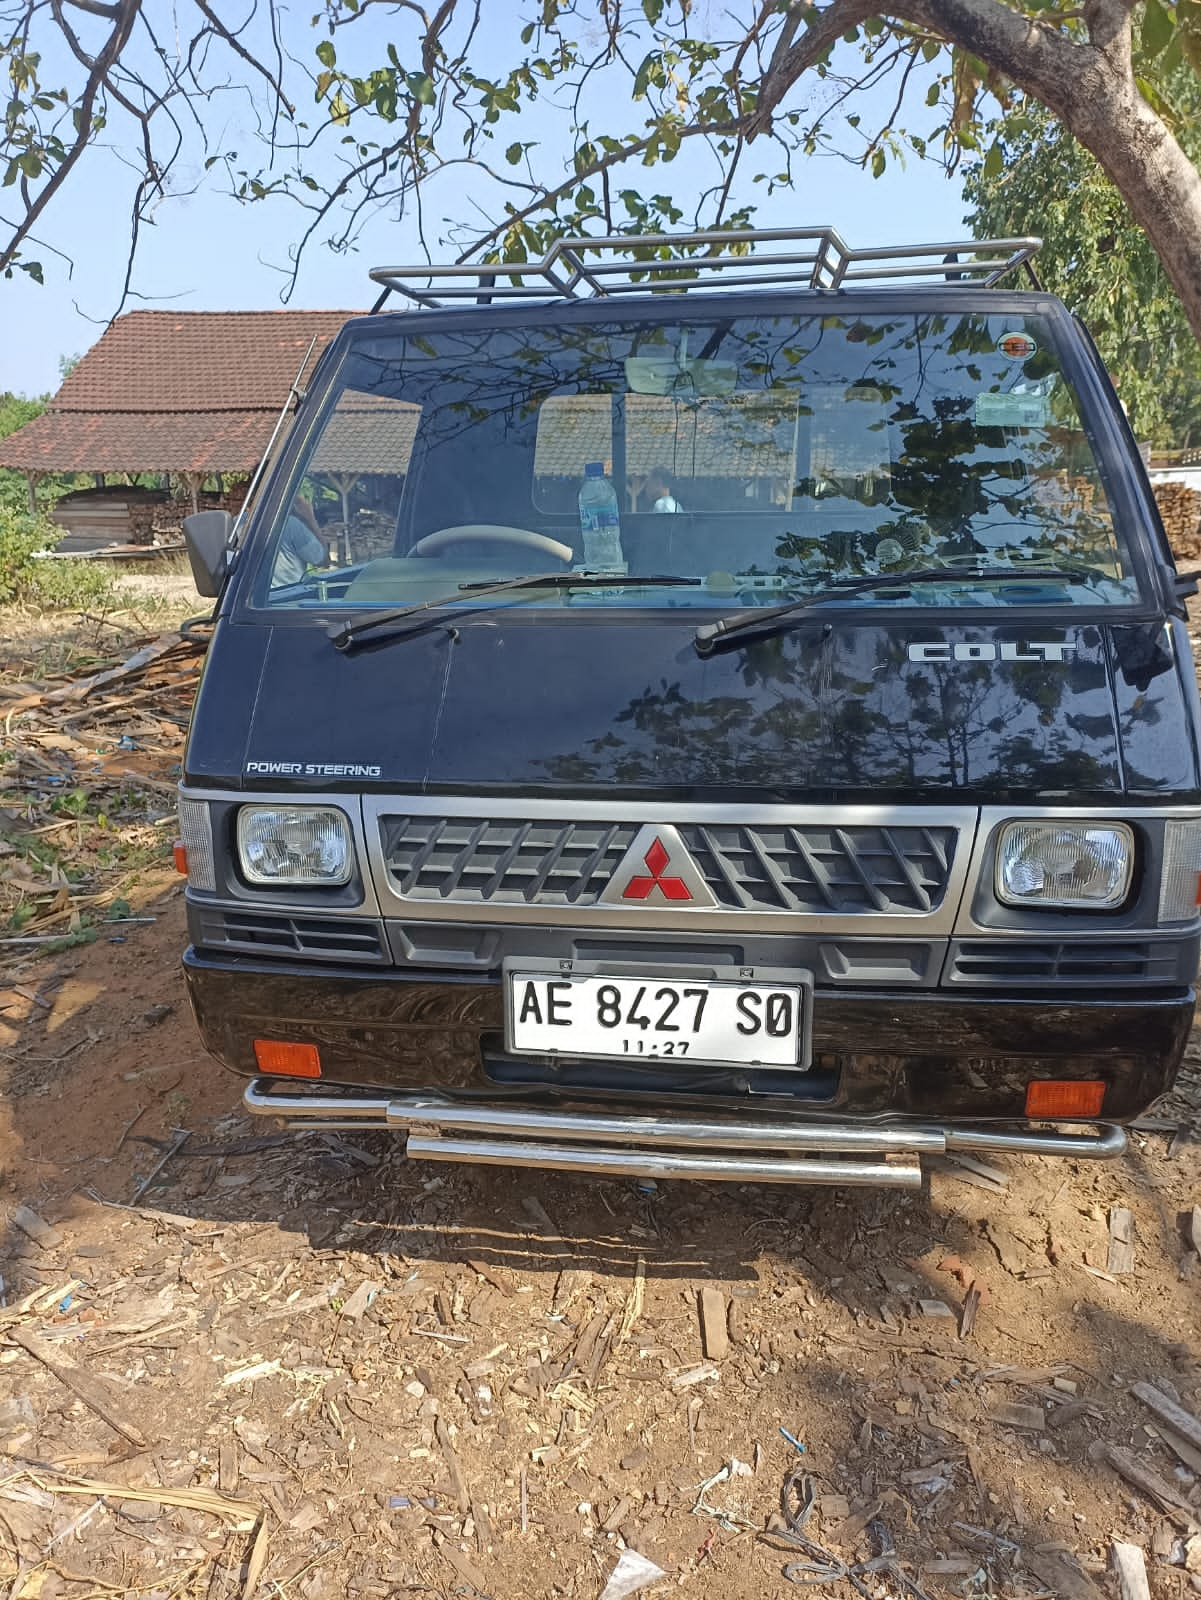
(1090, 87)
(1157, 181)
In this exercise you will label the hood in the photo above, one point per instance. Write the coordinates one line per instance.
(838, 708)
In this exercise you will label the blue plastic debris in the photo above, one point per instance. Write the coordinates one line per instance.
(794, 1442)
(399, 1502)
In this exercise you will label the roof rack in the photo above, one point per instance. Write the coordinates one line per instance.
(806, 258)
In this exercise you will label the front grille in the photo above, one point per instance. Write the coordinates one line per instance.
(277, 933)
(845, 870)
(791, 868)
(478, 861)
(1074, 962)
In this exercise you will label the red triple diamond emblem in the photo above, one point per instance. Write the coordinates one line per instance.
(657, 861)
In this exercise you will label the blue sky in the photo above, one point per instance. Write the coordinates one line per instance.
(206, 252)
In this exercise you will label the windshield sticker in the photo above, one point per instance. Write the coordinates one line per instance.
(1017, 346)
(1012, 410)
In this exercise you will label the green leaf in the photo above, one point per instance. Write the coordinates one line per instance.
(1152, 96)
(994, 161)
(421, 87)
(642, 77)
(1158, 27)
(514, 154)
(652, 10)
(326, 53)
(324, 79)
(879, 162)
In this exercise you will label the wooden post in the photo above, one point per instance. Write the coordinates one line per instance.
(344, 482)
(33, 479)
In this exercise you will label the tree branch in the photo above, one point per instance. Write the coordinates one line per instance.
(103, 61)
(236, 45)
(594, 169)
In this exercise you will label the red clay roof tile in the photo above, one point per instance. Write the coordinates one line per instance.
(173, 391)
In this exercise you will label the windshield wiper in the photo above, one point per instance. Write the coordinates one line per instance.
(392, 624)
(714, 634)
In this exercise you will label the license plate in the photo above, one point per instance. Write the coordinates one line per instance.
(717, 1023)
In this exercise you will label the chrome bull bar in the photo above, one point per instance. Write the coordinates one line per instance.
(741, 1150)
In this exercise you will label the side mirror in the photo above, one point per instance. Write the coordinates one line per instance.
(206, 534)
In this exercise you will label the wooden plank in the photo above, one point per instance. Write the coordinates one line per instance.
(1131, 1567)
(1061, 1574)
(1020, 1416)
(140, 658)
(1184, 1423)
(455, 1473)
(1121, 1240)
(1127, 1465)
(33, 1226)
(715, 1337)
(93, 1391)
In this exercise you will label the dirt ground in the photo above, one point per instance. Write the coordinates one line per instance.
(239, 1362)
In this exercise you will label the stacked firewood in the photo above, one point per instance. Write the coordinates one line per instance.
(1180, 508)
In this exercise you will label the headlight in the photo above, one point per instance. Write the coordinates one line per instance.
(295, 844)
(1081, 865)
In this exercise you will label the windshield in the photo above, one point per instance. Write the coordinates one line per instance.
(761, 457)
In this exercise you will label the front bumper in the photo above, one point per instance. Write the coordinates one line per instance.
(932, 1055)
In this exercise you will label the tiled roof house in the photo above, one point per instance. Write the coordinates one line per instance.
(191, 393)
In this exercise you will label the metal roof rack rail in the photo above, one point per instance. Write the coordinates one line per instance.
(808, 258)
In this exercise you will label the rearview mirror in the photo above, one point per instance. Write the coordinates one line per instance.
(206, 534)
(673, 373)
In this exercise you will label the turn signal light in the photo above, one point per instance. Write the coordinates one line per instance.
(281, 1060)
(1065, 1097)
(181, 857)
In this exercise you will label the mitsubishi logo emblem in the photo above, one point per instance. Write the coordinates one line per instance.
(658, 870)
(657, 861)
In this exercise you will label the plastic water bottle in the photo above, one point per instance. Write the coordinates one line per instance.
(600, 521)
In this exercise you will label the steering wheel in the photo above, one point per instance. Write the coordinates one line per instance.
(490, 533)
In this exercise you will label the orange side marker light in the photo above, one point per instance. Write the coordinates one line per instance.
(181, 857)
(1065, 1097)
(279, 1059)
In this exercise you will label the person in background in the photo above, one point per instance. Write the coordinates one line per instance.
(301, 544)
(660, 491)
